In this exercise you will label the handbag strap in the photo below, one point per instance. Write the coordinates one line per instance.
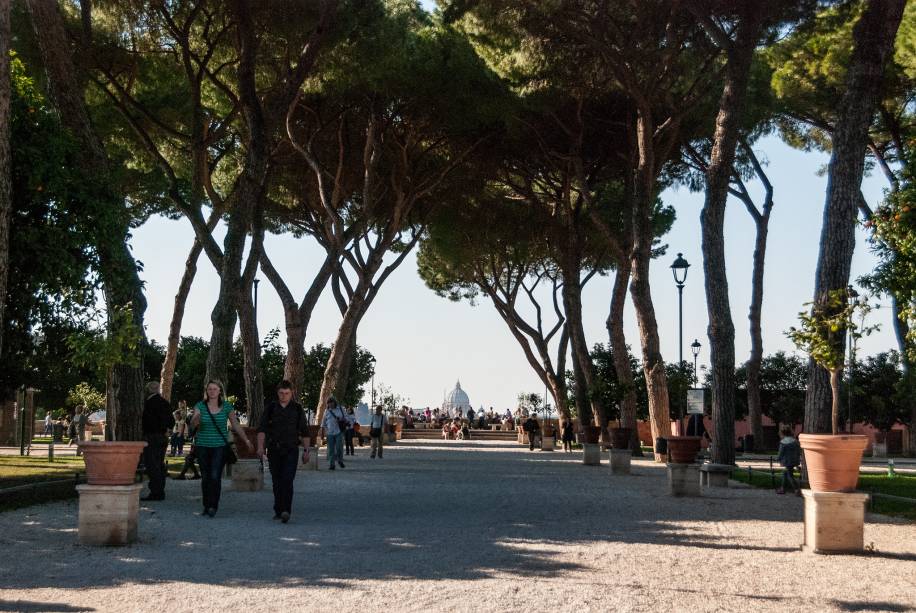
(213, 419)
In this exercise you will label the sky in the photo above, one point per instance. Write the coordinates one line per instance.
(423, 343)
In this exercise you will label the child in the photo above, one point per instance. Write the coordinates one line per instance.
(789, 458)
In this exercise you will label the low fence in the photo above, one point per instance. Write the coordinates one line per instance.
(40, 491)
(773, 471)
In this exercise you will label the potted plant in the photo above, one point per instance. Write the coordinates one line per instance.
(111, 462)
(683, 449)
(832, 460)
(620, 437)
(591, 434)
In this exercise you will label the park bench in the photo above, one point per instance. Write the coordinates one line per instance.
(715, 475)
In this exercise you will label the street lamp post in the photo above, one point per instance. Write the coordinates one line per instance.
(852, 295)
(695, 349)
(679, 270)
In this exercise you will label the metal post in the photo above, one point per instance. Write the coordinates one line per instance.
(21, 430)
(680, 353)
(680, 310)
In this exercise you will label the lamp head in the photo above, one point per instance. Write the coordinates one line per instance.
(695, 347)
(679, 269)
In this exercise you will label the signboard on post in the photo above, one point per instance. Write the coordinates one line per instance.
(695, 401)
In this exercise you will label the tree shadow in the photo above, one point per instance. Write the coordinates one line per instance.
(26, 606)
(410, 516)
(853, 605)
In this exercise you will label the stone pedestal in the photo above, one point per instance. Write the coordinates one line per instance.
(248, 476)
(684, 479)
(715, 475)
(108, 513)
(591, 454)
(620, 461)
(834, 522)
(312, 464)
(547, 443)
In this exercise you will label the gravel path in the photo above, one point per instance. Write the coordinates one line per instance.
(457, 527)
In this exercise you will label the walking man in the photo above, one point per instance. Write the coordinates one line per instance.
(283, 428)
(80, 421)
(157, 424)
(334, 424)
(377, 428)
(532, 427)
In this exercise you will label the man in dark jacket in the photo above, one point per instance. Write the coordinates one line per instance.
(283, 426)
(157, 424)
(532, 427)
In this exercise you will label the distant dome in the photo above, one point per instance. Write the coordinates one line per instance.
(457, 399)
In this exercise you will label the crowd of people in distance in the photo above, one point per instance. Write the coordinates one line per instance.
(74, 427)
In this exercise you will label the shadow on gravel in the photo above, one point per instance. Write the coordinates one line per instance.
(415, 515)
(25, 606)
(850, 605)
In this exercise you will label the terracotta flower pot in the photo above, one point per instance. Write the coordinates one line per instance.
(243, 452)
(683, 449)
(620, 437)
(833, 460)
(591, 434)
(111, 462)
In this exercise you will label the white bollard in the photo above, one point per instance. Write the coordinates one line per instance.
(684, 479)
(108, 514)
(834, 522)
(620, 461)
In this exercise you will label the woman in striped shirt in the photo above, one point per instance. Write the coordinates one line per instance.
(210, 420)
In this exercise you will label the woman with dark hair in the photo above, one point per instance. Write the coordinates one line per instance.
(211, 416)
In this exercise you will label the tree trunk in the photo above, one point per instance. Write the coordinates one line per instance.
(718, 178)
(6, 193)
(251, 352)
(297, 317)
(117, 268)
(873, 37)
(225, 312)
(167, 376)
(835, 401)
(901, 330)
(590, 409)
(621, 355)
(640, 292)
(754, 404)
(335, 369)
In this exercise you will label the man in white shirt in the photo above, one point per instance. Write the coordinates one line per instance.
(334, 423)
(377, 432)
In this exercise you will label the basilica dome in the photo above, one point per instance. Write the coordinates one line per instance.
(456, 399)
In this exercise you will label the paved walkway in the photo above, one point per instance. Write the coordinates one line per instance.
(459, 527)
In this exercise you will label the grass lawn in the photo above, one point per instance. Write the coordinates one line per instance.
(901, 485)
(17, 470)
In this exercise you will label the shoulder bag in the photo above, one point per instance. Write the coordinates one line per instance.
(376, 432)
(231, 458)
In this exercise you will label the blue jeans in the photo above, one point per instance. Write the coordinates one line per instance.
(335, 449)
(789, 479)
(212, 460)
